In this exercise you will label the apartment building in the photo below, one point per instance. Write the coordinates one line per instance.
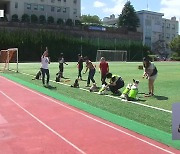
(64, 9)
(157, 31)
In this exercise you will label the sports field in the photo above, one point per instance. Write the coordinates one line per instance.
(153, 113)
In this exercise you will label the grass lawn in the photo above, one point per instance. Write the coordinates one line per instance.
(166, 90)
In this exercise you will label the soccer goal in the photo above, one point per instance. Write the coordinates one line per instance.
(9, 59)
(112, 55)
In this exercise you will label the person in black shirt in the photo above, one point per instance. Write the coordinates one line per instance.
(80, 66)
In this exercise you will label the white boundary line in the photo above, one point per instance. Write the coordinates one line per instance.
(42, 123)
(57, 102)
(133, 102)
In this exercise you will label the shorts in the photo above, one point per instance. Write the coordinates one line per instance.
(153, 77)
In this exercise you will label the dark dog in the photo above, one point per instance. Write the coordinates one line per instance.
(58, 77)
(76, 84)
(38, 76)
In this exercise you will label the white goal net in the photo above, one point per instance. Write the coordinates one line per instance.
(9, 59)
(112, 55)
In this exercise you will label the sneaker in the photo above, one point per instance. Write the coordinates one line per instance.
(148, 95)
(87, 85)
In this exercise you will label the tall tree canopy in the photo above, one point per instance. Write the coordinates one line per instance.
(175, 45)
(90, 19)
(128, 18)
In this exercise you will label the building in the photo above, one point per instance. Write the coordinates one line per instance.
(64, 9)
(157, 31)
(110, 20)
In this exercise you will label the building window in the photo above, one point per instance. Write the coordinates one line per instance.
(64, 0)
(75, 11)
(35, 7)
(173, 36)
(173, 26)
(29, 6)
(16, 5)
(167, 35)
(75, 1)
(64, 10)
(52, 1)
(167, 25)
(52, 8)
(59, 0)
(41, 7)
(58, 9)
(42, 0)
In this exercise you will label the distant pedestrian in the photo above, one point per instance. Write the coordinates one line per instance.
(61, 65)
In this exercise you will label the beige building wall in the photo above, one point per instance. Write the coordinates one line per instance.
(65, 9)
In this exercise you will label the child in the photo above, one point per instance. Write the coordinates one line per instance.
(103, 69)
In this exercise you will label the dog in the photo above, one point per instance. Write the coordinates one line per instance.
(93, 88)
(76, 84)
(58, 76)
(103, 90)
(38, 75)
(131, 91)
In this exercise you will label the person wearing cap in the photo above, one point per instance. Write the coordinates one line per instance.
(150, 72)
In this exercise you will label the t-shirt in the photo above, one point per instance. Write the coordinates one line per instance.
(151, 70)
(44, 62)
(80, 63)
(104, 67)
(61, 60)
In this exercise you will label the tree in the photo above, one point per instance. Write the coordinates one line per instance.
(60, 21)
(50, 20)
(77, 22)
(42, 19)
(69, 22)
(175, 45)
(34, 18)
(25, 18)
(90, 19)
(14, 18)
(128, 18)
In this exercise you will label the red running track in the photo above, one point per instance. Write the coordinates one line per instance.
(32, 123)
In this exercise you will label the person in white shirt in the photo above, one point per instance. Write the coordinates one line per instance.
(150, 72)
(44, 67)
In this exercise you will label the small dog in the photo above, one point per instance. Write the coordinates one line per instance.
(131, 91)
(58, 76)
(103, 90)
(76, 84)
(38, 75)
(93, 88)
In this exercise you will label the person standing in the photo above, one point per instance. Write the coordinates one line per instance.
(80, 66)
(150, 72)
(44, 67)
(92, 71)
(61, 65)
(103, 69)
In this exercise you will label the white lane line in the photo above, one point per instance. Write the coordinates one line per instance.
(42, 123)
(90, 117)
(133, 102)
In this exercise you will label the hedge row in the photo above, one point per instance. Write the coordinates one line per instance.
(32, 43)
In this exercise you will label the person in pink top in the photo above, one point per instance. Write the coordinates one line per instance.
(103, 69)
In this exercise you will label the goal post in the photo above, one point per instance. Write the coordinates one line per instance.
(112, 55)
(9, 59)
